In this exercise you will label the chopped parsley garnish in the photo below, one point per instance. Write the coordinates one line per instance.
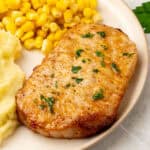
(68, 85)
(87, 35)
(103, 63)
(102, 34)
(143, 14)
(98, 95)
(83, 60)
(78, 52)
(115, 68)
(76, 69)
(95, 70)
(99, 54)
(128, 54)
(104, 47)
(42, 106)
(78, 80)
(50, 102)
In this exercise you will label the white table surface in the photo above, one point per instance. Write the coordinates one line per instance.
(134, 132)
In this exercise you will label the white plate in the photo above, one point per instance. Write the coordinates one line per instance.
(117, 14)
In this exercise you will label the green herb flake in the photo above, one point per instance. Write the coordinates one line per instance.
(95, 70)
(76, 69)
(42, 107)
(87, 35)
(98, 95)
(50, 102)
(67, 85)
(103, 63)
(78, 80)
(115, 68)
(83, 60)
(78, 52)
(104, 47)
(99, 54)
(128, 54)
(102, 34)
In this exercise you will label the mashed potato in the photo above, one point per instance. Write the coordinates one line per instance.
(11, 79)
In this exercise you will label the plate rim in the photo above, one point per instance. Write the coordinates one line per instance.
(145, 74)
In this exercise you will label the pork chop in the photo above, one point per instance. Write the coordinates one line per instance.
(77, 89)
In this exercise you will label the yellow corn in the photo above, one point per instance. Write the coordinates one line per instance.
(42, 33)
(29, 44)
(38, 42)
(31, 15)
(15, 14)
(27, 35)
(58, 35)
(51, 2)
(25, 7)
(56, 13)
(28, 26)
(19, 33)
(41, 23)
(42, 19)
(53, 27)
(46, 46)
(37, 3)
(51, 36)
(68, 16)
(87, 12)
(20, 20)
(13, 4)
(97, 17)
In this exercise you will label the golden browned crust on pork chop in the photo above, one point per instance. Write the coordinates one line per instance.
(77, 89)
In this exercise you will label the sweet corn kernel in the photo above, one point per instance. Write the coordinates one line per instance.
(37, 3)
(46, 9)
(28, 26)
(58, 35)
(77, 19)
(80, 4)
(42, 19)
(97, 17)
(6, 20)
(31, 15)
(56, 13)
(46, 46)
(29, 44)
(51, 2)
(86, 20)
(87, 12)
(19, 33)
(68, 16)
(54, 27)
(42, 33)
(1, 26)
(13, 4)
(38, 42)
(93, 4)
(25, 7)
(50, 37)
(74, 8)
(15, 14)
(11, 27)
(62, 4)
(27, 35)
(55, 44)
(20, 20)
(3, 7)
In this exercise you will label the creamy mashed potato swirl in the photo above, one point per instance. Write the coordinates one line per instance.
(11, 79)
